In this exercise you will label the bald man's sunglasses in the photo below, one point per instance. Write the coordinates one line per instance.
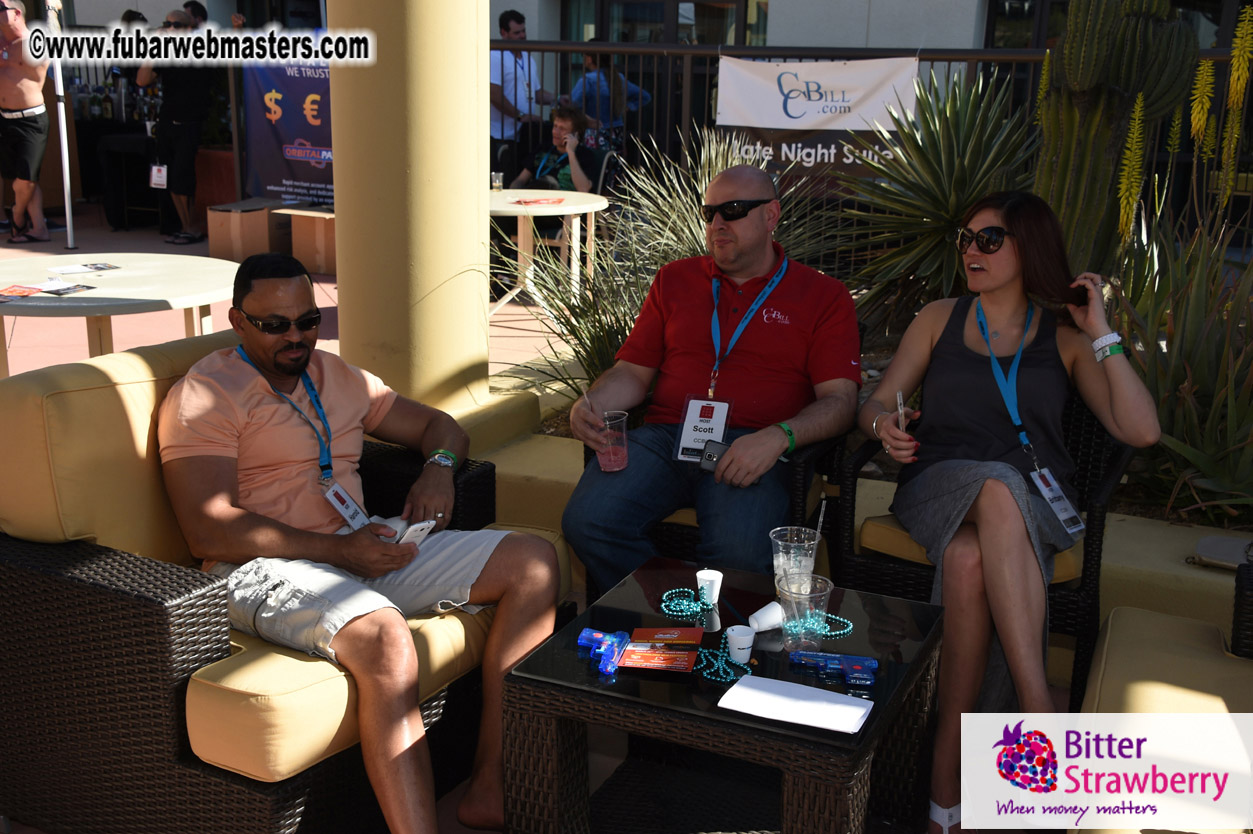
(173, 24)
(277, 327)
(731, 210)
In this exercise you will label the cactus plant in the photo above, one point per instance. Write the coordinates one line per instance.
(1112, 52)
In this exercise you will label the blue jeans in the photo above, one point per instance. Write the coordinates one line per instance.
(607, 519)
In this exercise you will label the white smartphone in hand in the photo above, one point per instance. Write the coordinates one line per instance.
(406, 533)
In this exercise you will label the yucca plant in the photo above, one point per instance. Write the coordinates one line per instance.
(655, 221)
(965, 143)
(1186, 309)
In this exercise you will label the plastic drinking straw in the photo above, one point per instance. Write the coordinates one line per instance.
(822, 510)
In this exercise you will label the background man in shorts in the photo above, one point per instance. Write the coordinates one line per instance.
(247, 437)
(23, 125)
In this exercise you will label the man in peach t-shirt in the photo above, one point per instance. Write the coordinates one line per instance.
(252, 439)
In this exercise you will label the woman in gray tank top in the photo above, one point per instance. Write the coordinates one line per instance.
(971, 490)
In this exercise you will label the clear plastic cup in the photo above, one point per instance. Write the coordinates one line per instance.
(613, 457)
(794, 550)
(498, 180)
(804, 598)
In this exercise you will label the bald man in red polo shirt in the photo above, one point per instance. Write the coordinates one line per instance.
(785, 374)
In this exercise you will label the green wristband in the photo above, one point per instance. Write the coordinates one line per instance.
(455, 460)
(1108, 350)
(791, 438)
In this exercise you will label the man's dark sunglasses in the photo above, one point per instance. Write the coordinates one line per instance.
(174, 24)
(988, 239)
(277, 327)
(731, 210)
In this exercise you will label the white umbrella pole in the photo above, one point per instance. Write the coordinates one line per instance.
(59, 85)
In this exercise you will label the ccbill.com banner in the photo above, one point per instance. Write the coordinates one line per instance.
(806, 112)
(1107, 770)
(814, 95)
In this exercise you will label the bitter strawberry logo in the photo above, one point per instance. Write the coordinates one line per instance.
(1027, 760)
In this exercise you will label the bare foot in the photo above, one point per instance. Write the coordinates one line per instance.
(483, 805)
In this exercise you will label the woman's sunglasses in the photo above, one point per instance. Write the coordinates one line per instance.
(277, 327)
(988, 239)
(731, 210)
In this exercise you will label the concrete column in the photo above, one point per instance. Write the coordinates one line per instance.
(411, 146)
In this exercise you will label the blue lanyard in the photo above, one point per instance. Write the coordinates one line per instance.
(716, 329)
(324, 445)
(543, 162)
(1008, 386)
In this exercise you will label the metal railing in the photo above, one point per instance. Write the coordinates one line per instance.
(683, 79)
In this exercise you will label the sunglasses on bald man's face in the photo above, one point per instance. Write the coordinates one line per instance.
(731, 210)
(173, 24)
(989, 239)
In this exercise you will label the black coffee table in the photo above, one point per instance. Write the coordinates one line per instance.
(827, 783)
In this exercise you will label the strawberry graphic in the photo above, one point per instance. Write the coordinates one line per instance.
(1027, 760)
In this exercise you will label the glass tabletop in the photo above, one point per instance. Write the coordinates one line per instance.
(896, 632)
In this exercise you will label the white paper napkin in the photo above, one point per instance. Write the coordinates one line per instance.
(797, 704)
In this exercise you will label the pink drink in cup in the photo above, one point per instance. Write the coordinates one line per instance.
(614, 456)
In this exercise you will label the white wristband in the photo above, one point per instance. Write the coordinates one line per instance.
(1107, 339)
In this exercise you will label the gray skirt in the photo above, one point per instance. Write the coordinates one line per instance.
(934, 504)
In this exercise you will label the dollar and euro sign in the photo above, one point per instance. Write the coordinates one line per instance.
(274, 112)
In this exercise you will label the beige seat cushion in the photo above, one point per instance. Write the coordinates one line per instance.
(884, 534)
(73, 486)
(1151, 662)
(270, 712)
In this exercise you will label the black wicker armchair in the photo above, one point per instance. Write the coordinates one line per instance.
(1074, 607)
(95, 665)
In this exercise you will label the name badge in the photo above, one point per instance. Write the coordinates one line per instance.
(703, 420)
(1058, 502)
(157, 176)
(339, 498)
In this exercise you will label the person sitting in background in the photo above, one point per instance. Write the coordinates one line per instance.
(566, 164)
(606, 96)
(982, 437)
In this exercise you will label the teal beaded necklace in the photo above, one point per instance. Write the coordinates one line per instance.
(685, 604)
(717, 665)
(820, 623)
